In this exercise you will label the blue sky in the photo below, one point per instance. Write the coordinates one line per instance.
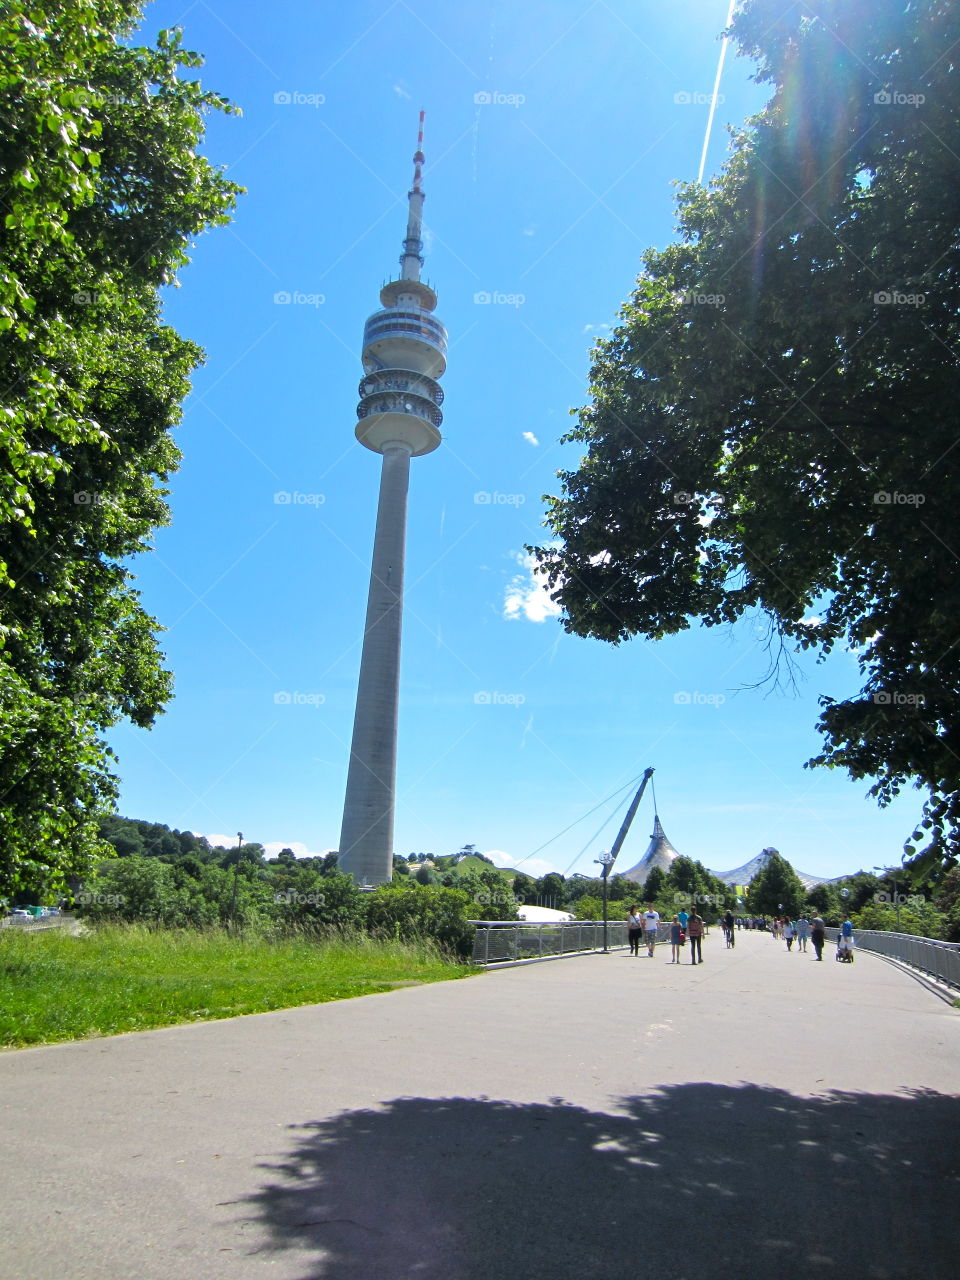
(544, 197)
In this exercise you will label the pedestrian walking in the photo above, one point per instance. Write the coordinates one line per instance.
(818, 935)
(788, 932)
(695, 934)
(845, 941)
(634, 930)
(651, 923)
(803, 933)
(676, 939)
(728, 929)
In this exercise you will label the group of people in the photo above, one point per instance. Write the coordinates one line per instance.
(805, 928)
(643, 929)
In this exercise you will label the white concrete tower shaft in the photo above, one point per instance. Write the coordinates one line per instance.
(404, 353)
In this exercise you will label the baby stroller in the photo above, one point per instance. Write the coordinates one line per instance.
(844, 953)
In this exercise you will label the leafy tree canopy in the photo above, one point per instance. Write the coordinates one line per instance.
(772, 426)
(101, 191)
(776, 889)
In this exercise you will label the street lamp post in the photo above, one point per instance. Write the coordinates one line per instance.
(606, 860)
(233, 900)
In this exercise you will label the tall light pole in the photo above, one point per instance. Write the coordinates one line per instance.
(404, 353)
(606, 861)
(236, 865)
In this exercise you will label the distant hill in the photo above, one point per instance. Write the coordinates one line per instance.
(744, 874)
(470, 863)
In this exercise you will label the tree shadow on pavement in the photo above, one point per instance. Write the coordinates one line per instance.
(692, 1178)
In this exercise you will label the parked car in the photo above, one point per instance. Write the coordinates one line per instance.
(18, 913)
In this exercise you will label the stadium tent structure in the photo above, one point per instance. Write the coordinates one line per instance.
(660, 853)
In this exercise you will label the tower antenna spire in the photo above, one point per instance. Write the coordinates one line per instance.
(411, 260)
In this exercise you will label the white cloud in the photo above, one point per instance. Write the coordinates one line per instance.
(530, 231)
(271, 847)
(534, 867)
(530, 437)
(400, 91)
(218, 838)
(527, 595)
(595, 328)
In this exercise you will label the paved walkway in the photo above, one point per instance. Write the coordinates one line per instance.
(761, 1114)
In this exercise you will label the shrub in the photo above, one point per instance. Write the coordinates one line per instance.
(412, 912)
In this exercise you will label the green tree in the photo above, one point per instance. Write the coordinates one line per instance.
(915, 916)
(524, 887)
(412, 912)
(768, 424)
(551, 887)
(656, 885)
(102, 189)
(776, 889)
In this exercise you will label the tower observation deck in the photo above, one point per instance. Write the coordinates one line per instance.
(399, 417)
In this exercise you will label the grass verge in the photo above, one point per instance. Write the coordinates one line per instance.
(54, 986)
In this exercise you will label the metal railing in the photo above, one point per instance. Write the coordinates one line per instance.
(36, 923)
(938, 959)
(500, 941)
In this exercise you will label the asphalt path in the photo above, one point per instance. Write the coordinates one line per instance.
(589, 1117)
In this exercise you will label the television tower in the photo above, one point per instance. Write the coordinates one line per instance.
(404, 352)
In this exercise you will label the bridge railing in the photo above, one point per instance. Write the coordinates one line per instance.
(497, 941)
(938, 959)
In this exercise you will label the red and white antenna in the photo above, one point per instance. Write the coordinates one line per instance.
(418, 157)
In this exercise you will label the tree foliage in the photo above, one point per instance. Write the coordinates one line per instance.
(776, 889)
(102, 189)
(772, 425)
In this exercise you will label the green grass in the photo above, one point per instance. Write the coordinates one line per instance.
(469, 863)
(54, 986)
